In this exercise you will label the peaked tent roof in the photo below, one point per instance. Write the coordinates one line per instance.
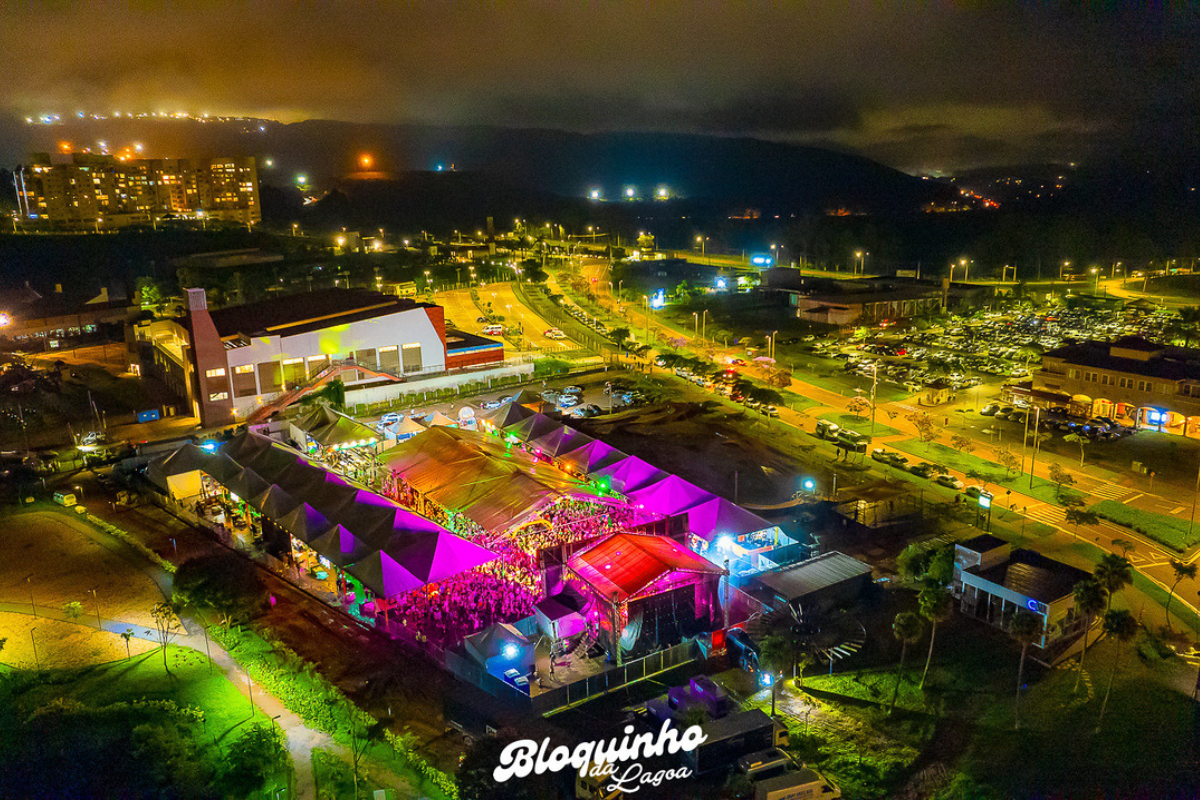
(533, 427)
(671, 495)
(343, 431)
(222, 467)
(305, 522)
(718, 516)
(591, 457)
(187, 458)
(320, 417)
(628, 563)
(490, 641)
(274, 502)
(433, 557)
(341, 546)
(243, 444)
(384, 575)
(527, 397)
(507, 414)
(438, 418)
(246, 484)
(559, 442)
(629, 475)
(493, 484)
(406, 427)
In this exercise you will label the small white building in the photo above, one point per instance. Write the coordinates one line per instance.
(994, 582)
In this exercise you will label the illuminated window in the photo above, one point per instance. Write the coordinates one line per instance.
(244, 369)
(215, 396)
(287, 361)
(389, 349)
(219, 372)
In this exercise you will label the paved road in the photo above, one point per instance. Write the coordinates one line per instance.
(1150, 559)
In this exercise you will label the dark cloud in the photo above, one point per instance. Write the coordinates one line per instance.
(912, 84)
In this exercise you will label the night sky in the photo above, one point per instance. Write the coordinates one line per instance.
(919, 89)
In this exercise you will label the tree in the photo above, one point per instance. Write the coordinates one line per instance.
(936, 606)
(961, 443)
(976, 475)
(779, 378)
(1080, 440)
(127, 634)
(1025, 628)
(907, 628)
(1181, 571)
(765, 395)
(1081, 516)
(1122, 626)
(927, 429)
(165, 622)
(1090, 598)
(1113, 572)
(223, 582)
(253, 760)
(859, 406)
(1061, 477)
(72, 610)
(1009, 460)
(619, 335)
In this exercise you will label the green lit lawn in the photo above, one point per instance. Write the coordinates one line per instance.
(1042, 489)
(1161, 528)
(862, 424)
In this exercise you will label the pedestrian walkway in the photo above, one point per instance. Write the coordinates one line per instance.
(1050, 515)
(1110, 491)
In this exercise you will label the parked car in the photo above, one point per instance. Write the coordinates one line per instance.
(990, 409)
(922, 470)
(769, 411)
(973, 491)
(488, 405)
(568, 401)
(949, 481)
(572, 390)
(881, 455)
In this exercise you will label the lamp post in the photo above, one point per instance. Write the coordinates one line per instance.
(696, 319)
(96, 600)
(858, 257)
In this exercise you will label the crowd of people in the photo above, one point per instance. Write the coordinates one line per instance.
(444, 613)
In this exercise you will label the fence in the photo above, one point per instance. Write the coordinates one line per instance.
(536, 298)
(571, 694)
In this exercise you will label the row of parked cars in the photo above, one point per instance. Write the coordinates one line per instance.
(586, 319)
(924, 469)
(1059, 419)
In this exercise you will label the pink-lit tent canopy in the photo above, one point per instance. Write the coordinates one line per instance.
(274, 502)
(341, 546)
(433, 557)
(629, 475)
(718, 517)
(305, 523)
(590, 457)
(384, 575)
(671, 495)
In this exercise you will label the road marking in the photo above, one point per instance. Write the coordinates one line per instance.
(1137, 496)
(1109, 491)
(1177, 510)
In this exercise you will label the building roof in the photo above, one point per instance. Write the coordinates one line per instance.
(799, 580)
(301, 313)
(1172, 363)
(462, 342)
(983, 543)
(1033, 575)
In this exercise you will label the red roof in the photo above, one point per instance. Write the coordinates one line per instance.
(627, 563)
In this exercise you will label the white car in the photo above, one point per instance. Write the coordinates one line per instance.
(572, 390)
(568, 401)
(949, 481)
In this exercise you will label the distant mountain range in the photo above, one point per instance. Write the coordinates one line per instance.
(773, 177)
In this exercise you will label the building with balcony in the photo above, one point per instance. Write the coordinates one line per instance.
(1131, 380)
(97, 192)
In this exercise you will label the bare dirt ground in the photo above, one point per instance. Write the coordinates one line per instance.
(708, 444)
(61, 644)
(61, 560)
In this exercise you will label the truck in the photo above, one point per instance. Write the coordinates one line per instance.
(803, 784)
(730, 738)
(853, 441)
(827, 430)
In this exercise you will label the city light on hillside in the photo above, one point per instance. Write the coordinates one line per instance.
(365, 161)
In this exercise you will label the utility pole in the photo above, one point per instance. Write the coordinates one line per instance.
(1036, 442)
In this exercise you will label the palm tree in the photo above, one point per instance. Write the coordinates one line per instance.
(1181, 571)
(1090, 598)
(936, 606)
(1113, 572)
(1124, 627)
(1025, 628)
(907, 627)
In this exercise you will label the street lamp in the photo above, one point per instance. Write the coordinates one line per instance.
(1095, 280)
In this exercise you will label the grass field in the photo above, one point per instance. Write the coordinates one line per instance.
(1161, 528)
(1042, 489)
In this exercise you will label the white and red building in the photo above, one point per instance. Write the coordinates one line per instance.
(227, 363)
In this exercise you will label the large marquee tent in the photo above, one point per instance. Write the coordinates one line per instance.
(342, 521)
